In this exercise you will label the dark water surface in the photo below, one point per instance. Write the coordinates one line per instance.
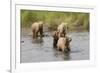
(41, 50)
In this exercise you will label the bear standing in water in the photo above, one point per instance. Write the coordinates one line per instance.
(63, 44)
(55, 38)
(37, 28)
(62, 29)
(61, 32)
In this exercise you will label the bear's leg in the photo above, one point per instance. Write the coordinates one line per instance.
(55, 43)
(33, 35)
(41, 31)
(63, 50)
(68, 48)
(36, 34)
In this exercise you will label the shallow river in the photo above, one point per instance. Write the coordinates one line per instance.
(41, 50)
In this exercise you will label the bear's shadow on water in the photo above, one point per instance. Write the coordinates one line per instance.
(37, 40)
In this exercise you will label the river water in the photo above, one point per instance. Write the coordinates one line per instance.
(41, 50)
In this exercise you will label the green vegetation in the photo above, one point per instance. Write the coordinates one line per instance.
(75, 20)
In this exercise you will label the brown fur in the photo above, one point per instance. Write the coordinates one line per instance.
(55, 38)
(62, 29)
(37, 28)
(63, 44)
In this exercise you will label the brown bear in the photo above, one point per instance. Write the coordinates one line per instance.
(55, 38)
(63, 44)
(37, 27)
(62, 29)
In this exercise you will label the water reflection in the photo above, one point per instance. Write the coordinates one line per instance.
(37, 40)
(63, 55)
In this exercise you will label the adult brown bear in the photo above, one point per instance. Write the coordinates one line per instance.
(61, 32)
(62, 29)
(63, 44)
(37, 28)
